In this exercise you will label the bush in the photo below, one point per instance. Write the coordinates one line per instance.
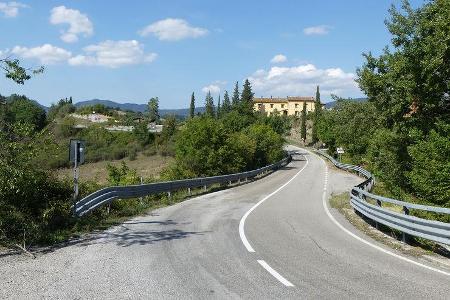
(387, 156)
(429, 177)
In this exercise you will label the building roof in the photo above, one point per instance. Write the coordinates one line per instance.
(283, 100)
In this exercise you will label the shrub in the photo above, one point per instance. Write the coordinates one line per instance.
(429, 177)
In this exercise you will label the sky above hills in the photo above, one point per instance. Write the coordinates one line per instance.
(131, 51)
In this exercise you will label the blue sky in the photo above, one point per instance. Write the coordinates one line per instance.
(129, 51)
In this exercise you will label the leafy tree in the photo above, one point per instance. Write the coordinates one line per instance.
(142, 134)
(24, 110)
(153, 109)
(430, 160)
(235, 100)
(17, 73)
(209, 105)
(409, 84)
(169, 127)
(61, 109)
(269, 144)
(192, 106)
(226, 107)
(246, 103)
(317, 112)
(303, 124)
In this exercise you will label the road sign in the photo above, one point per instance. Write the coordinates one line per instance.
(340, 150)
(77, 148)
(77, 152)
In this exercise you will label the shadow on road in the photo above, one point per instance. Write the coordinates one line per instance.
(140, 233)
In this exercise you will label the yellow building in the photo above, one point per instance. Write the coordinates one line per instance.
(289, 106)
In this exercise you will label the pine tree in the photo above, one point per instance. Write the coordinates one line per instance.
(247, 98)
(317, 112)
(303, 124)
(219, 108)
(153, 109)
(226, 106)
(235, 99)
(209, 105)
(192, 106)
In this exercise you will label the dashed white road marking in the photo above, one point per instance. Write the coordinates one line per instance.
(242, 222)
(274, 273)
(325, 206)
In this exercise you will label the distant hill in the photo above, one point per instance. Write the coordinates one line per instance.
(332, 104)
(184, 112)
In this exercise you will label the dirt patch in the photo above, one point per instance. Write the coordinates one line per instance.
(146, 166)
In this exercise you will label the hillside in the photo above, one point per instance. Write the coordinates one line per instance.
(184, 112)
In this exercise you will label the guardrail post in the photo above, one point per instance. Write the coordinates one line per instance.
(378, 204)
(204, 187)
(230, 182)
(189, 191)
(405, 236)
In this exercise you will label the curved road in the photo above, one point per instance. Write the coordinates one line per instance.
(199, 249)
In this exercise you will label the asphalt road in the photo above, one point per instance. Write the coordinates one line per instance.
(199, 249)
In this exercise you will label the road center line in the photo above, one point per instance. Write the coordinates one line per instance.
(274, 273)
(325, 206)
(242, 222)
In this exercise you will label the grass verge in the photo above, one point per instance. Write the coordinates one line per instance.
(386, 235)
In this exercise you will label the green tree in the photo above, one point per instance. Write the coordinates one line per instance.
(303, 124)
(219, 108)
(235, 100)
(192, 106)
(209, 105)
(409, 84)
(317, 112)
(17, 73)
(142, 135)
(246, 103)
(169, 127)
(153, 109)
(226, 107)
(24, 110)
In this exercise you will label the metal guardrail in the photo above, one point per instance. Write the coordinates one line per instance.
(109, 194)
(409, 225)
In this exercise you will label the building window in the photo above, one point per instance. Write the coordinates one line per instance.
(282, 105)
(296, 105)
(271, 105)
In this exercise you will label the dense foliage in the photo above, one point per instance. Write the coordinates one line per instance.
(402, 133)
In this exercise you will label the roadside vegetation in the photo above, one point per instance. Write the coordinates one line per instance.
(36, 197)
(402, 133)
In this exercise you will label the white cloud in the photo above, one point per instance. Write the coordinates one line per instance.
(46, 54)
(113, 54)
(213, 88)
(173, 30)
(302, 80)
(317, 30)
(11, 9)
(78, 23)
(279, 58)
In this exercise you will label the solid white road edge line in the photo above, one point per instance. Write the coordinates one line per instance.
(325, 206)
(274, 273)
(242, 222)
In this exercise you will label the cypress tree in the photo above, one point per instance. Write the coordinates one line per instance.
(235, 99)
(317, 111)
(209, 105)
(226, 106)
(219, 108)
(192, 106)
(247, 98)
(303, 125)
